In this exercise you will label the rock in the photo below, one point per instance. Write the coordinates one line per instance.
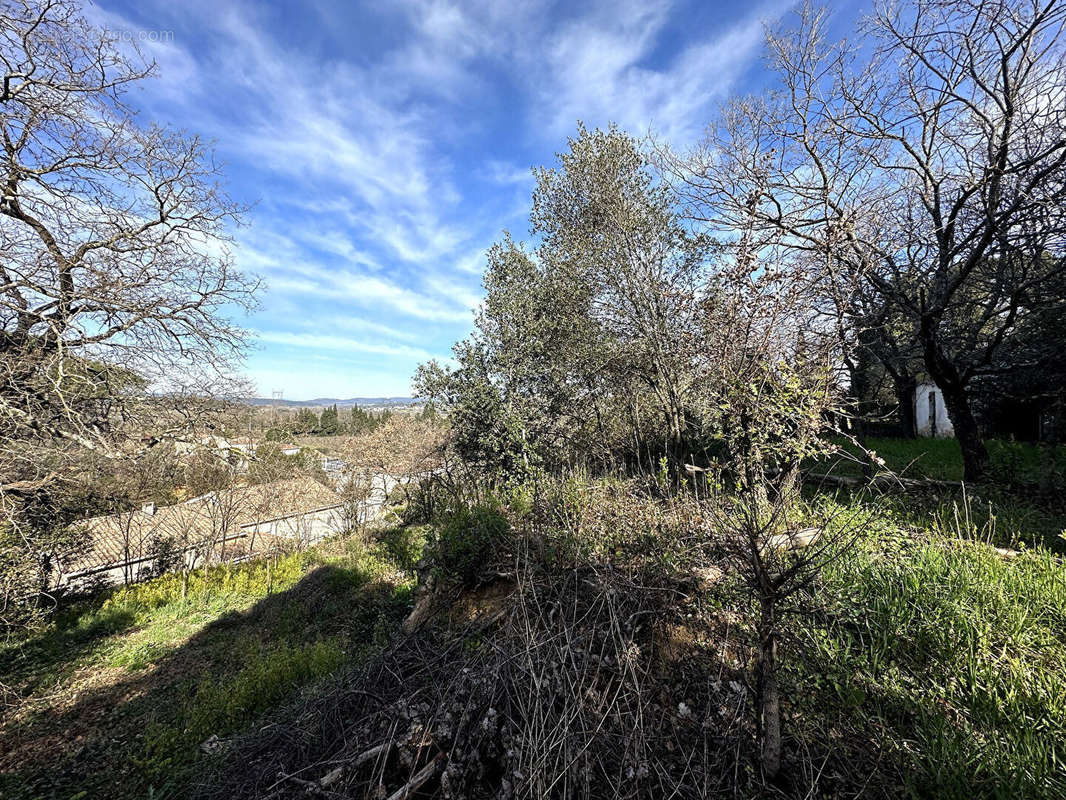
(707, 577)
(793, 540)
(425, 605)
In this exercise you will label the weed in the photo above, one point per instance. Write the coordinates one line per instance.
(244, 640)
(404, 544)
(956, 654)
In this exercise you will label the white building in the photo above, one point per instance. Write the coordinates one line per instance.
(930, 413)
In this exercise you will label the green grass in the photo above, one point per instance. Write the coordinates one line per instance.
(946, 659)
(1022, 505)
(1011, 463)
(928, 664)
(113, 697)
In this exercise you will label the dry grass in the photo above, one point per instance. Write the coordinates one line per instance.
(552, 690)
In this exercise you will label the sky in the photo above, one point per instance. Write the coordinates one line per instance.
(382, 147)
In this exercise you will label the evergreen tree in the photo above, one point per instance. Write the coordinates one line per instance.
(306, 421)
(362, 421)
(329, 423)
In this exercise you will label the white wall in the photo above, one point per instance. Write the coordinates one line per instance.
(143, 566)
(302, 529)
(925, 395)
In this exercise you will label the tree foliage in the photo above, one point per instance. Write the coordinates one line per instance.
(583, 347)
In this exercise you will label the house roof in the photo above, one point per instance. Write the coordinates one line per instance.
(118, 538)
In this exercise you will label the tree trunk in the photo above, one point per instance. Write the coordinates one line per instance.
(974, 452)
(905, 386)
(769, 696)
(957, 401)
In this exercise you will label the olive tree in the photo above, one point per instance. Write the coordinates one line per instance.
(585, 343)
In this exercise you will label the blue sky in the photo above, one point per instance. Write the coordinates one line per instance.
(386, 145)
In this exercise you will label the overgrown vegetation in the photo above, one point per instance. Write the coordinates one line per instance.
(648, 548)
(600, 645)
(944, 659)
(1015, 465)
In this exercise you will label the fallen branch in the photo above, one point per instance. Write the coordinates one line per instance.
(371, 754)
(312, 787)
(882, 480)
(417, 780)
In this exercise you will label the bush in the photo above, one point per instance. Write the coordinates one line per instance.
(403, 544)
(466, 539)
(428, 499)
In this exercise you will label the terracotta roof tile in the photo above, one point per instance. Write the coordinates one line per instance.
(119, 538)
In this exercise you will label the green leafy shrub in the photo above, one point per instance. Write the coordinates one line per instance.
(465, 540)
(404, 544)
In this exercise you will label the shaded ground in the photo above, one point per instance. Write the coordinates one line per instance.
(115, 698)
(925, 664)
(1011, 463)
(1023, 503)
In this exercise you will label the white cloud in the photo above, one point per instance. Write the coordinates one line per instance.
(318, 341)
(473, 262)
(370, 291)
(457, 290)
(350, 322)
(507, 174)
(330, 129)
(378, 178)
(342, 384)
(597, 70)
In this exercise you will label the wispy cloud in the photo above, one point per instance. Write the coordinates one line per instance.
(506, 174)
(385, 146)
(317, 341)
(371, 292)
(605, 67)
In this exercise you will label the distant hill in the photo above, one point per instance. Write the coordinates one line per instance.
(329, 401)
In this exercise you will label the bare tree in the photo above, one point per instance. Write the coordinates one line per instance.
(135, 487)
(225, 510)
(356, 489)
(116, 285)
(399, 454)
(769, 390)
(927, 168)
(181, 533)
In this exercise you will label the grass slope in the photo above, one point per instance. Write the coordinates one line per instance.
(115, 696)
(937, 664)
(1023, 504)
(1010, 463)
